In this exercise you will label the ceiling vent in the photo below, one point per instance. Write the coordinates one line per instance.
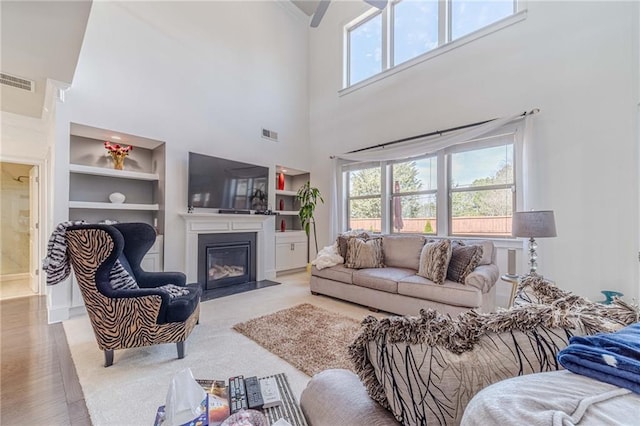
(17, 82)
(270, 134)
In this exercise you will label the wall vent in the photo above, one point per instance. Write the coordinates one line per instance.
(270, 134)
(17, 82)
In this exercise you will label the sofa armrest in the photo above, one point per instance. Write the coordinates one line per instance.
(484, 277)
(336, 397)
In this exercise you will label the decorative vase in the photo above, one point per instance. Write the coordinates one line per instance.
(281, 204)
(116, 198)
(281, 181)
(283, 226)
(118, 160)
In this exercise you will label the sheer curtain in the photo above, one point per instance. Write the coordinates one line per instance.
(416, 148)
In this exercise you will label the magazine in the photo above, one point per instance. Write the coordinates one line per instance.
(218, 400)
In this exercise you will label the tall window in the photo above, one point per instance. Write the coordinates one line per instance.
(408, 29)
(415, 29)
(472, 193)
(482, 191)
(468, 16)
(365, 49)
(364, 199)
(413, 196)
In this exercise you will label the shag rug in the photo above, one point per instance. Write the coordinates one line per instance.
(311, 339)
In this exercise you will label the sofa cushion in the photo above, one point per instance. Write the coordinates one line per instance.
(450, 293)
(336, 273)
(487, 250)
(402, 251)
(384, 279)
(434, 260)
(364, 253)
(343, 240)
(464, 259)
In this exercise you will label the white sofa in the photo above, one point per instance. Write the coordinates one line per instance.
(398, 289)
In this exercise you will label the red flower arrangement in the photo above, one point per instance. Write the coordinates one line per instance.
(117, 153)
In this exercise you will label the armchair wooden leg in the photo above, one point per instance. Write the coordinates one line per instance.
(180, 346)
(108, 357)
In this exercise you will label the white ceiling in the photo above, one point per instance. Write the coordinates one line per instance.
(39, 40)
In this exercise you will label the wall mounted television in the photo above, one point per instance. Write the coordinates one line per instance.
(218, 183)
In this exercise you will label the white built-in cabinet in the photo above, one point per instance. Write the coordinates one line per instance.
(291, 244)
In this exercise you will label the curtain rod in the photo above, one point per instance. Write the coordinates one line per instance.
(437, 132)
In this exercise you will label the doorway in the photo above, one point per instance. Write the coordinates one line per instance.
(19, 242)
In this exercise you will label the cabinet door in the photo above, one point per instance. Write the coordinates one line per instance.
(283, 256)
(299, 255)
(291, 255)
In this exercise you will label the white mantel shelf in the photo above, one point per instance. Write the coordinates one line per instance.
(212, 223)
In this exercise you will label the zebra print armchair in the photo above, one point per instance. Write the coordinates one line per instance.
(127, 306)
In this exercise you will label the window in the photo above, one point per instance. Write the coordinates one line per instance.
(364, 199)
(408, 29)
(465, 190)
(415, 29)
(365, 49)
(468, 16)
(482, 192)
(413, 196)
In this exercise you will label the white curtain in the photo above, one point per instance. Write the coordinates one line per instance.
(413, 148)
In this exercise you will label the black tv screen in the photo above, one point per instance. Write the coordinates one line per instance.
(219, 183)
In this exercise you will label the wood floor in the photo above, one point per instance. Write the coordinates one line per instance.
(38, 381)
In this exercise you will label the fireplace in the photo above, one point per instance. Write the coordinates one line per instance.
(226, 259)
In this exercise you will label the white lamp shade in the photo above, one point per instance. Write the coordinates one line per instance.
(534, 224)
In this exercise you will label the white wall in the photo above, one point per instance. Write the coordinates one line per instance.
(577, 62)
(200, 76)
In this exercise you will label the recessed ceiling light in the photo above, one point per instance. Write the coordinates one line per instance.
(283, 170)
(116, 137)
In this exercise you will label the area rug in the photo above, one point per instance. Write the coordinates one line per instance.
(130, 391)
(311, 339)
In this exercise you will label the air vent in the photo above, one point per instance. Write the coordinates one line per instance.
(17, 82)
(270, 134)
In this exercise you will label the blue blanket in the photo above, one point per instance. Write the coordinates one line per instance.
(609, 357)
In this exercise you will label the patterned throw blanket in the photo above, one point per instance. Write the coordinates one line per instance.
(57, 265)
(612, 358)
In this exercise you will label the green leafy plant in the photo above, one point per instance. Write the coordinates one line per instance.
(308, 197)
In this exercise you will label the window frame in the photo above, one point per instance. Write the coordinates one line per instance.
(509, 134)
(445, 44)
(352, 167)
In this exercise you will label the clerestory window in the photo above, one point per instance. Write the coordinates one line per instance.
(409, 30)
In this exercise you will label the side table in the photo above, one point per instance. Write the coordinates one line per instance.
(513, 280)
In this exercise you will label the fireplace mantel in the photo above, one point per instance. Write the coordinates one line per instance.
(215, 223)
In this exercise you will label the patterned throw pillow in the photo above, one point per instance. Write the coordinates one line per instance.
(364, 253)
(343, 241)
(120, 279)
(434, 260)
(464, 259)
(174, 290)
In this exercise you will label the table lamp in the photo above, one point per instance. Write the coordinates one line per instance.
(532, 225)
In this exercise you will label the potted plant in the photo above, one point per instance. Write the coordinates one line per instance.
(308, 197)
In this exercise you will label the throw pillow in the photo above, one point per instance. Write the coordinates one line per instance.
(364, 253)
(120, 279)
(464, 259)
(434, 260)
(343, 241)
(174, 290)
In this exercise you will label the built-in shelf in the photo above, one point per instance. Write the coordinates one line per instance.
(285, 192)
(111, 206)
(287, 212)
(102, 171)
